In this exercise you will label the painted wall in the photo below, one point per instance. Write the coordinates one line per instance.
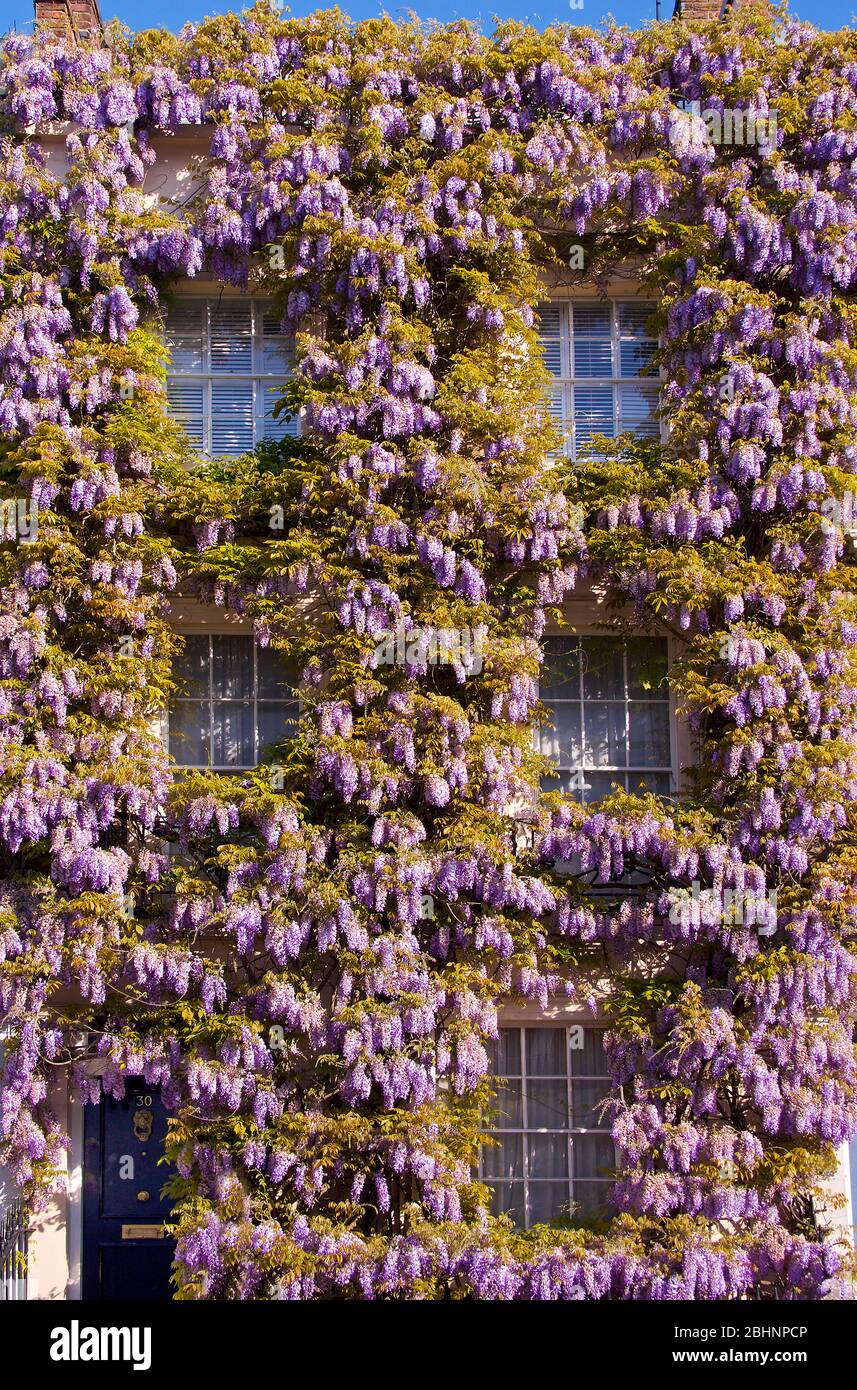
(48, 1274)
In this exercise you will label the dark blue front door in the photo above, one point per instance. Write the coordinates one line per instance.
(125, 1252)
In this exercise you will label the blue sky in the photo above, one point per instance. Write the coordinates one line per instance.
(141, 14)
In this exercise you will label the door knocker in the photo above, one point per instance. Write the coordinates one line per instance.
(143, 1121)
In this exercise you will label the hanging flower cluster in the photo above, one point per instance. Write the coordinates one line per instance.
(258, 945)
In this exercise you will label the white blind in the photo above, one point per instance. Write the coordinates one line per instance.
(228, 361)
(187, 408)
(232, 424)
(600, 356)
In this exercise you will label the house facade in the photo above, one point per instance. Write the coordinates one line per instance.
(612, 722)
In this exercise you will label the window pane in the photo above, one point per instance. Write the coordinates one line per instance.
(190, 668)
(504, 1158)
(547, 1155)
(637, 405)
(271, 320)
(589, 1060)
(591, 1199)
(231, 337)
(567, 782)
(185, 399)
(600, 784)
(552, 356)
(507, 1051)
(603, 672)
(232, 670)
(556, 404)
(562, 742)
(657, 782)
(282, 425)
(586, 1097)
(274, 674)
(637, 345)
(591, 320)
(635, 318)
(547, 1104)
(508, 1198)
(546, 1052)
(635, 359)
(593, 413)
(647, 667)
(548, 1201)
(276, 350)
(189, 732)
(232, 734)
(593, 357)
(559, 678)
(594, 1157)
(549, 320)
(549, 329)
(604, 734)
(649, 743)
(507, 1107)
(275, 722)
(593, 350)
(185, 335)
(231, 417)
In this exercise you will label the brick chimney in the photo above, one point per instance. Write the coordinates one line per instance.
(78, 18)
(712, 9)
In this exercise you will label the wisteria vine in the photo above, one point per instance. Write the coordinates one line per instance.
(401, 193)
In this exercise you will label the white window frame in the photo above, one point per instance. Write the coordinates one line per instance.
(571, 1130)
(619, 774)
(212, 701)
(261, 381)
(561, 394)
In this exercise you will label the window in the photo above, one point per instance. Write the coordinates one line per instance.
(600, 356)
(234, 700)
(553, 1145)
(609, 705)
(228, 360)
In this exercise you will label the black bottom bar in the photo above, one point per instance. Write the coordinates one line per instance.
(279, 1339)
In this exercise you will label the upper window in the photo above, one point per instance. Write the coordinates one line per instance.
(234, 700)
(609, 707)
(228, 360)
(553, 1150)
(600, 356)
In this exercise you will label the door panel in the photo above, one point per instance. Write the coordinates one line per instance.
(144, 1266)
(125, 1253)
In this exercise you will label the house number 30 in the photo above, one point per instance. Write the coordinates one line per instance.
(143, 1119)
